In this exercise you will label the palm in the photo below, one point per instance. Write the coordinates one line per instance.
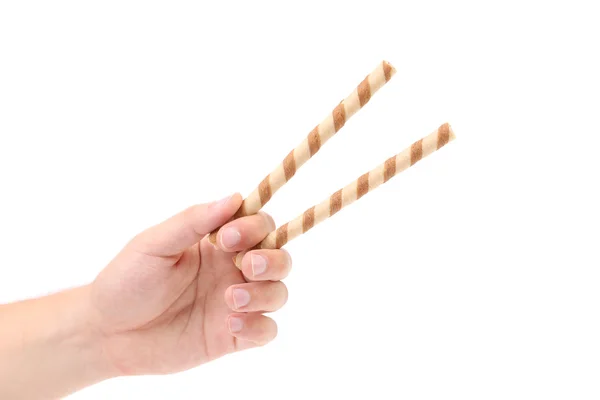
(161, 303)
(185, 327)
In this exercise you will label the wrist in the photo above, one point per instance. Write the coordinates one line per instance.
(85, 339)
(50, 345)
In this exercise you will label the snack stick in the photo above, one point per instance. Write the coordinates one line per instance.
(355, 190)
(313, 142)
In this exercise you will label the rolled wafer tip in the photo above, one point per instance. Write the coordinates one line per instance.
(237, 259)
(443, 136)
(451, 132)
(388, 70)
(212, 238)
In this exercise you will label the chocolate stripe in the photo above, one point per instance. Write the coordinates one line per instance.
(389, 169)
(308, 219)
(335, 202)
(416, 151)
(362, 185)
(264, 190)
(339, 116)
(282, 234)
(443, 135)
(289, 166)
(364, 92)
(314, 141)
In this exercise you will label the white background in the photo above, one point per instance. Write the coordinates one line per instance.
(474, 274)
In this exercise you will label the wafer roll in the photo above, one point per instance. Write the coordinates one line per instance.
(355, 190)
(314, 141)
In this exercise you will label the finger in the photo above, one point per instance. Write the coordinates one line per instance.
(244, 232)
(256, 296)
(266, 265)
(254, 328)
(187, 228)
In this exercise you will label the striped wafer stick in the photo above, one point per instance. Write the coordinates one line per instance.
(314, 141)
(355, 190)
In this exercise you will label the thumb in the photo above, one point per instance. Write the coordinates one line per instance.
(187, 228)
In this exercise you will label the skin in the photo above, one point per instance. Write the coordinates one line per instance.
(168, 302)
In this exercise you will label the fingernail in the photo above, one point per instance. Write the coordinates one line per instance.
(241, 298)
(259, 264)
(235, 324)
(230, 237)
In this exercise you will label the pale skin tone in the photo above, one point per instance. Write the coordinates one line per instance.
(169, 301)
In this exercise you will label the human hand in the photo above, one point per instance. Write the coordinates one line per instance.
(170, 300)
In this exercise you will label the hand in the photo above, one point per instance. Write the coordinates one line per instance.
(170, 300)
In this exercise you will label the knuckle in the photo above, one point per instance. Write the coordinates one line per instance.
(272, 291)
(279, 293)
(282, 263)
(286, 295)
(270, 222)
(287, 258)
(193, 212)
(266, 332)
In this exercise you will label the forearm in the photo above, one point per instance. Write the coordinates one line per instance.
(48, 349)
